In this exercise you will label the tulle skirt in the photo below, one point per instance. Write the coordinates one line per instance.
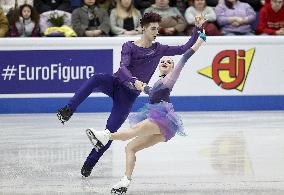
(163, 115)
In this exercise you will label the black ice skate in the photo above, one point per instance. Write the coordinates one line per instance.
(86, 171)
(121, 187)
(98, 138)
(64, 114)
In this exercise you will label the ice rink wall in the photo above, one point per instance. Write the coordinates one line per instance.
(39, 75)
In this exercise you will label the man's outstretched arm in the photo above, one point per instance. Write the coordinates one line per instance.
(178, 50)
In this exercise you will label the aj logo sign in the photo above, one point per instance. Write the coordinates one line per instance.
(230, 68)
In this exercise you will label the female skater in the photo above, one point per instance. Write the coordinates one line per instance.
(156, 122)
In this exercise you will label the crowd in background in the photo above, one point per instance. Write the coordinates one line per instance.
(94, 18)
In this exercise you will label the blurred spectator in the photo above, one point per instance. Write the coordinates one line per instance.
(90, 21)
(8, 5)
(265, 2)
(141, 5)
(271, 20)
(106, 5)
(199, 7)
(211, 3)
(180, 4)
(235, 17)
(173, 23)
(26, 22)
(48, 5)
(4, 25)
(125, 19)
(255, 4)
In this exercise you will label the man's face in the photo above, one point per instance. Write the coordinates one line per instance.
(276, 5)
(151, 31)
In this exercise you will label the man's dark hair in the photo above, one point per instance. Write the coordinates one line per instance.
(150, 18)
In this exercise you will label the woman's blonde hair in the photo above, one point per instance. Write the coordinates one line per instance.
(125, 13)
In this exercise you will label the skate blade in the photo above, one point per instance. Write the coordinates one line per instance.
(121, 190)
(91, 137)
(60, 118)
(96, 143)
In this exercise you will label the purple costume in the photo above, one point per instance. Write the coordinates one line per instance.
(160, 110)
(136, 63)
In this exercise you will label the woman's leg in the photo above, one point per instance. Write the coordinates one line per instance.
(143, 128)
(136, 145)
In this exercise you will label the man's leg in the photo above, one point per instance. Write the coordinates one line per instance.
(98, 82)
(122, 103)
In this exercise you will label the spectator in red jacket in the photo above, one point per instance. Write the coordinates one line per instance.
(271, 18)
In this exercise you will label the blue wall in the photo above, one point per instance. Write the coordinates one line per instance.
(188, 103)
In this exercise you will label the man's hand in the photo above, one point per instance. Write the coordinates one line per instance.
(139, 85)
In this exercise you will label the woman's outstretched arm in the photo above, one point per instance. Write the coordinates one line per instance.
(171, 78)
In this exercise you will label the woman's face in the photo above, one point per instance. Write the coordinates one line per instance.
(90, 2)
(26, 12)
(126, 3)
(199, 4)
(166, 65)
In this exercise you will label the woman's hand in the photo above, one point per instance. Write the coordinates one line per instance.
(200, 20)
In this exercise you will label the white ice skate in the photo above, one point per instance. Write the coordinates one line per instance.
(98, 138)
(121, 186)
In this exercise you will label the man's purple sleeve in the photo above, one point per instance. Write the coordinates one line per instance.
(178, 50)
(124, 74)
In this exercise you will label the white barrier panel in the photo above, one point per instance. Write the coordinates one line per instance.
(264, 57)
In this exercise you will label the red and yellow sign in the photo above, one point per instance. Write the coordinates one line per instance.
(230, 68)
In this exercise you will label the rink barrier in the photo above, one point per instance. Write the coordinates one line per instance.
(204, 84)
(181, 104)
